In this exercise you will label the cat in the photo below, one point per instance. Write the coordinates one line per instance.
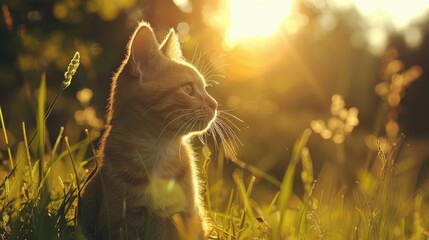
(146, 184)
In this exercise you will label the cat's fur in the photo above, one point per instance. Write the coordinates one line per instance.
(146, 185)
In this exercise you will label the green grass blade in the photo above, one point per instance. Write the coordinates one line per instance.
(88, 136)
(76, 176)
(307, 175)
(255, 171)
(287, 183)
(27, 152)
(63, 154)
(16, 182)
(244, 195)
(41, 124)
(57, 143)
(206, 165)
(6, 139)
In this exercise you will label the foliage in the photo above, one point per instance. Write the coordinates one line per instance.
(40, 192)
(38, 197)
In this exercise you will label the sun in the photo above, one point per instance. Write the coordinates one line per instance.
(255, 18)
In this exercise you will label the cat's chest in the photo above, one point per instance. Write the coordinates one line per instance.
(140, 158)
(171, 163)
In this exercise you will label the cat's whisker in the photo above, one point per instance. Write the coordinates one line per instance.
(222, 128)
(201, 138)
(198, 61)
(224, 122)
(208, 82)
(197, 64)
(171, 122)
(210, 64)
(228, 110)
(227, 140)
(195, 52)
(231, 115)
(215, 59)
(193, 125)
(211, 71)
(229, 121)
(189, 125)
(210, 67)
(206, 69)
(172, 112)
(175, 111)
(210, 78)
(176, 118)
(185, 125)
(228, 148)
(214, 135)
(232, 135)
(198, 115)
(212, 132)
(147, 110)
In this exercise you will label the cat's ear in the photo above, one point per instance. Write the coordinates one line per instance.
(170, 47)
(143, 50)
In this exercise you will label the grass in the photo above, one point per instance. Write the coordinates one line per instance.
(37, 201)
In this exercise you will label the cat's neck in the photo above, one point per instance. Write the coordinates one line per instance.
(134, 131)
(139, 149)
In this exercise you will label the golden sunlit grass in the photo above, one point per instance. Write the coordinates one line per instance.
(39, 202)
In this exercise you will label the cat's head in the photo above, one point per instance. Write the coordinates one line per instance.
(157, 81)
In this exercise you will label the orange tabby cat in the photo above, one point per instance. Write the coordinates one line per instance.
(146, 185)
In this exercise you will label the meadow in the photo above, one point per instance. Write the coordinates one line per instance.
(43, 180)
(327, 102)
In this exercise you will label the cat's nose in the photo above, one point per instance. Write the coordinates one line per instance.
(211, 102)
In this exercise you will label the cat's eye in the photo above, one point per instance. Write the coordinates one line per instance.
(188, 89)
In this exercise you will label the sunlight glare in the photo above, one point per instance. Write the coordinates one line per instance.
(255, 18)
(400, 13)
(385, 16)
